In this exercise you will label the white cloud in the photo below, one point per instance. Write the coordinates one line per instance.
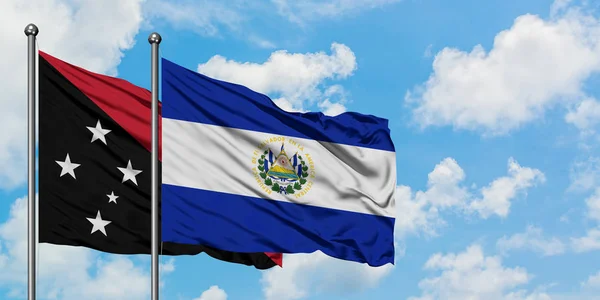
(593, 206)
(513, 84)
(331, 109)
(420, 212)
(532, 239)
(302, 11)
(446, 191)
(589, 242)
(71, 30)
(593, 282)
(167, 267)
(586, 115)
(67, 272)
(496, 197)
(294, 78)
(472, 275)
(304, 274)
(335, 98)
(213, 293)
(286, 105)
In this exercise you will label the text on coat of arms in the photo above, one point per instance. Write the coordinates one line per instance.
(280, 172)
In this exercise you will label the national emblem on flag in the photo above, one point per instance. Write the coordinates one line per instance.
(280, 173)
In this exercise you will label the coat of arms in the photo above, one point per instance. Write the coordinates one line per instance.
(282, 173)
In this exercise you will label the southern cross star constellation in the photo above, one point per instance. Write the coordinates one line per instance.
(129, 173)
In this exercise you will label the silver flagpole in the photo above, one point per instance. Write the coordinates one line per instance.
(154, 39)
(31, 32)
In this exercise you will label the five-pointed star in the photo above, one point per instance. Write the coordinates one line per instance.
(67, 166)
(99, 224)
(98, 132)
(129, 173)
(112, 197)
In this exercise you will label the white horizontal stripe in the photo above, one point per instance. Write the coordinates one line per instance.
(224, 160)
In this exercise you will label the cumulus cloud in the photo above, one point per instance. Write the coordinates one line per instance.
(294, 79)
(532, 239)
(497, 195)
(497, 91)
(591, 241)
(213, 293)
(70, 30)
(66, 272)
(420, 211)
(473, 275)
(586, 114)
(593, 282)
(316, 272)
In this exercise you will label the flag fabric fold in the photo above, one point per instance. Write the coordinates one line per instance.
(270, 180)
(94, 166)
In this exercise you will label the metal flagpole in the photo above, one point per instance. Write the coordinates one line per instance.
(154, 39)
(31, 32)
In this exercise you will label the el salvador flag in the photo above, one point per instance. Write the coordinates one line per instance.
(240, 174)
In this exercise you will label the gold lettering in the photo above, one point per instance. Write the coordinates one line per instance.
(311, 164)
(276, 139)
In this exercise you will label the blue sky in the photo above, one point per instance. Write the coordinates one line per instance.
(492, 108)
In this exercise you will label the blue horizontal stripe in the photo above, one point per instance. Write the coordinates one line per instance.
(191, 96)
(247, 224)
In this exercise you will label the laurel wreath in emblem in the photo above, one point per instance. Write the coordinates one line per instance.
(276, 186)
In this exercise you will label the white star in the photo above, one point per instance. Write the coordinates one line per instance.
(99, 224)
(98, 132)
(112, 197)
(67, 166)
(129, 173)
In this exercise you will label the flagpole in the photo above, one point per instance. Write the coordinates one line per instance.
(31, 32)
(154, 39)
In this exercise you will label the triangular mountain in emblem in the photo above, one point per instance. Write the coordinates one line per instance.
(282, 168)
